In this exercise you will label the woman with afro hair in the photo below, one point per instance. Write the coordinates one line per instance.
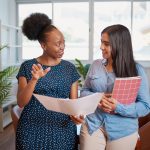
(49, 75)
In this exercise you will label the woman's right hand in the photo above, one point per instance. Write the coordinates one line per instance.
(104, 104)
(77, 119)
(38, 72)
(108, 104)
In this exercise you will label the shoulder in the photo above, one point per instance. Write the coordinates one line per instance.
(96, 68)
(139, 66)
(28, 63)
(25, 69)
(98, 63)
(141, 72)
(140, 69)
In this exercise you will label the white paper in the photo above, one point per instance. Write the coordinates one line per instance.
(81, 106)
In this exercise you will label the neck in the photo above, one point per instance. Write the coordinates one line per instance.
(109, 65)
(109, 62)
(48, 61)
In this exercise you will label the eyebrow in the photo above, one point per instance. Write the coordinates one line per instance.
(60, 40)
(105, 42)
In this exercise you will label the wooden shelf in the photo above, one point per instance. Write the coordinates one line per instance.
(5, 113)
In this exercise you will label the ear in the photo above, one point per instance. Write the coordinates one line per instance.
(43, 45)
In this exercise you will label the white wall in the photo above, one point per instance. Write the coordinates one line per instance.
(8, 16)
(8, 12)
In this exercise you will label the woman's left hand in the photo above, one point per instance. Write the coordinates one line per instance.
(108, 104)
(77, 119)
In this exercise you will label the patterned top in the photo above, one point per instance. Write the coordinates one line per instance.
(38, 127)
(125, 120)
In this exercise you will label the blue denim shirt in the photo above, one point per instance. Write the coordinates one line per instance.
(125, 120)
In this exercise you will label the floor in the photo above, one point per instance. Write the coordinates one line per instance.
(7, 138)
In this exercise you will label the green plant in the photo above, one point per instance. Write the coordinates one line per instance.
(82, 69)
(5, 81)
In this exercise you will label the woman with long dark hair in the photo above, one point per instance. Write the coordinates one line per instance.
(114, 126)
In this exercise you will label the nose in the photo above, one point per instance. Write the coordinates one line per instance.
(101, 47)
(62, 45)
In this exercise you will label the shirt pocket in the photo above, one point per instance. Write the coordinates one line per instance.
(98, 83)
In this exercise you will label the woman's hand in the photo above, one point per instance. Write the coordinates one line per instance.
(77, 119)
(108, 104)
(38, 72)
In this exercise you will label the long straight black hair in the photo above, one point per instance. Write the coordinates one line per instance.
(121, 51)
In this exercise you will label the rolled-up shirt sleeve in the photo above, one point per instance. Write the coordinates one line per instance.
(141, 107)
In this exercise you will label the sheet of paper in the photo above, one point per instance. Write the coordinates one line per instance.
(85, 105)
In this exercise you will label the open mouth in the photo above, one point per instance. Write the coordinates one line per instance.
(60, 53)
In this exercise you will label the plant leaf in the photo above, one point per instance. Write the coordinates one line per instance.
(2, 47)
(5, 93)
(5, 82)
(7, 73)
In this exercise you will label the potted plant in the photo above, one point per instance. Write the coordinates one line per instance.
(82, 70)
(5, 81)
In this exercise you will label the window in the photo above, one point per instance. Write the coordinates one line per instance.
(72, 20)
(109, 13)
(9, 37)
(141, 30)
(32, 49)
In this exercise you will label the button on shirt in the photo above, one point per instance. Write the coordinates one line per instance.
(125, 120)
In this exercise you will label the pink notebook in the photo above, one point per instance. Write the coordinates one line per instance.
(125, 89)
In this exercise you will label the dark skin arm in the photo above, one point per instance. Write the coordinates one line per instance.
(25, 90)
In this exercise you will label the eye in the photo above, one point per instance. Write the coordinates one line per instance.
(58, 44)
(106, 44)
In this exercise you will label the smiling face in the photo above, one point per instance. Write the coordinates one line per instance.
(54, 44)
(105, 46)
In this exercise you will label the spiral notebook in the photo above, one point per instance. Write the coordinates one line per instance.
(125, 89)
